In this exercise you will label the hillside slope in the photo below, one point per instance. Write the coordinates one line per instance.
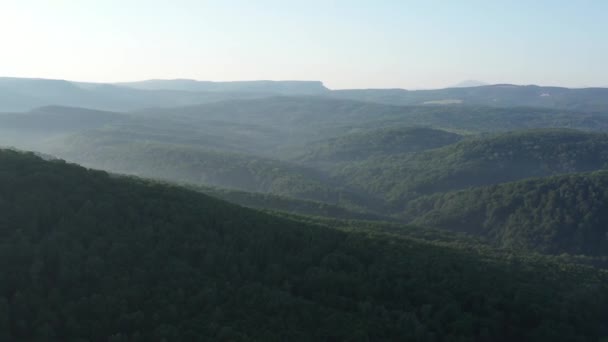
(86, 256)
(479, 161)
(267, 201)
(203, 166)
(32, 130)
(312, 118)
(279, 127)
(380, 142)
(498, 95)
(562, 214)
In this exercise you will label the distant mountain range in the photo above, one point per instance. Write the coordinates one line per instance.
(497, 95)
(22, 94)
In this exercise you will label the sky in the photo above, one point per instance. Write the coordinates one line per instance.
(344, 43)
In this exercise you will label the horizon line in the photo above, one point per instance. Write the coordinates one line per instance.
(455, 86)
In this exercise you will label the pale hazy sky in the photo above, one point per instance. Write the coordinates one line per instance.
(345, 43)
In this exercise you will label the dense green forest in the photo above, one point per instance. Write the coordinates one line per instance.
(278, 127)
(381, 142)
(358, 171)
(461, 214)
(86, 256)
(477, 161)
(288, 204)
(309, 118)
(202, 166)
(562, 214)
(359, 161)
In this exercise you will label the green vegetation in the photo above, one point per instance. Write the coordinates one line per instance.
(499, 95)
(318, 155)
(476, 162)
(359, 171)
(272, 202)
(310, 119)
(562, 214)
(381, 142)
(490, 253)
(200, 166)
(89, 257)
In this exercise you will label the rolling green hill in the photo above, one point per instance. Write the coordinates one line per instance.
(44, 127)
(33, 129)
(85, 256)
(478, 161)
(309, 118)
(204, 166)
(381, 142)
(228, 145)
(561, 214)
(285, 204)
(281, 127)
(498, 95)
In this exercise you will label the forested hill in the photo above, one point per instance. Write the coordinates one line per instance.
(203, 166)
(380, 142)
(286, 204)
(480, 161)
(89, 257)
(497, 95)
(54, 119)
(322, 117)
(562, 214)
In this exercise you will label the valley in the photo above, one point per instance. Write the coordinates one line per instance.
(401, 219)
